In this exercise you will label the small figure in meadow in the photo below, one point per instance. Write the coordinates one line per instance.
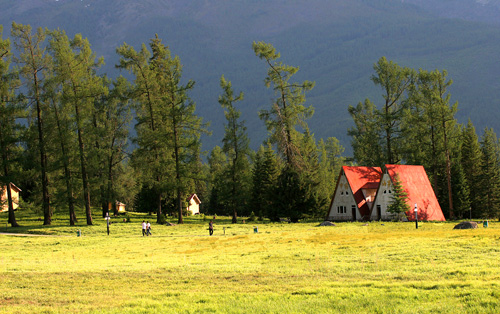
(148, 229)
(143, 228)
(211, 227)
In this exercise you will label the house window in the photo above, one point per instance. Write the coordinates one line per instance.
(341, 209)
(342, 193)
(385, 191)
(346, 192)
(389, 191)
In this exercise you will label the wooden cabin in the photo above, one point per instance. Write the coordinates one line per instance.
(120, 207)
(193, 204)
(14, 190)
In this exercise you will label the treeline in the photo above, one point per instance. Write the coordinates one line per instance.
(414, 123)
(64, 135)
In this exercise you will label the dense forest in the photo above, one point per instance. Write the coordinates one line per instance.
(65, 136)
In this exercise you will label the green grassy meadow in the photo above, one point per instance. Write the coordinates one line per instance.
(284, 268)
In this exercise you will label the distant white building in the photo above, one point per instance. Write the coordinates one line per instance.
(14, 192)
(194, 204)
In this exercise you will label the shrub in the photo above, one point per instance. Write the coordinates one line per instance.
(252, 217)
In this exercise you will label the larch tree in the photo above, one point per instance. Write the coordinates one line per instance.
(431, 129)
(9, 112)
(287, 110)
(75, 67)
(152, 158)
(287, 113)
(184, 128)
(395, 82)
(236, 147)
(111, 120)
(366, 135)
(33, 61)
(330, 162)
(63, 144)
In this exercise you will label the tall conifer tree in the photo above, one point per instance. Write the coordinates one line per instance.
(8, 126)
(33, 62)
(236, 147)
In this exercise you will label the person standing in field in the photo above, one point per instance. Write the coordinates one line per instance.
(211, 227)
(143, 228)
(148, 229)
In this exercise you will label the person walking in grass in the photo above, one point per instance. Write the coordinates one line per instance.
(143, 228)
(148, 228)
(211, 227)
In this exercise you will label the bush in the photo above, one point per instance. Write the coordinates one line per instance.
(252, 217)
(29, 208)
(162, 219)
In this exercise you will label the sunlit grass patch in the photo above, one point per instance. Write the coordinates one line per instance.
(284, 268)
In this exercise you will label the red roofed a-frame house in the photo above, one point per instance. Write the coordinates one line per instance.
(354, 194)
(418, 187)
(365, 193)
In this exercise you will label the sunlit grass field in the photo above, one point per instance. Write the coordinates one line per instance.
(378, 267)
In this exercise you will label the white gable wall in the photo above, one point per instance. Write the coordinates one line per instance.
(383, 199)
(343, 202)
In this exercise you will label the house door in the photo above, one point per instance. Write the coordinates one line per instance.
(353, 212)
(379, 212)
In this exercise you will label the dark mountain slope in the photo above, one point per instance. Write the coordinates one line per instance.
(335, 43)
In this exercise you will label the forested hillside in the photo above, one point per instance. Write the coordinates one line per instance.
(335, 44)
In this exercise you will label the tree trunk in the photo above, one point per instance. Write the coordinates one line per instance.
(67, 172)
(47, 213)
(12, 217)
(85, 179)
(448, 171)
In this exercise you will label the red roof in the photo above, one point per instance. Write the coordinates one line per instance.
(362, 178)
(416, 183)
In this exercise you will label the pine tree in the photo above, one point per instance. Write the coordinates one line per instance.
(471, 156)
(490, 175)
(461, 194)
(399, 203)
(217, 162)
(264, 177)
